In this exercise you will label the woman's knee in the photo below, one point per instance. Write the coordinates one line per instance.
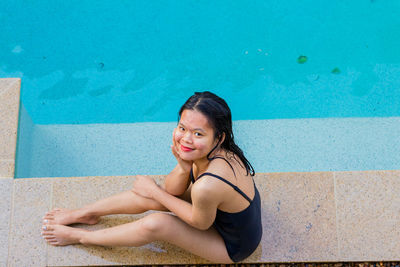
(156, 224)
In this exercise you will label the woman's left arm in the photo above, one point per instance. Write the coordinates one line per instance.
(200, 214)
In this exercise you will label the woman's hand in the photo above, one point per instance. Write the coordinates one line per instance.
(144, 186)
(185, 165)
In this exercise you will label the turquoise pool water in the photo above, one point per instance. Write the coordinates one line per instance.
(135, 61)
(88, 66)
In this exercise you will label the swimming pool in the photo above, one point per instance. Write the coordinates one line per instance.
(98, 80)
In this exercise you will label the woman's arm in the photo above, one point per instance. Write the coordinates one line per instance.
(177, 182)
(200, 214)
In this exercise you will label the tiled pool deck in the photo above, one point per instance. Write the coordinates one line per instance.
(307, 216)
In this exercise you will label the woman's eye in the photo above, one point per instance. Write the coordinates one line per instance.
(181, 128)
(197, 134)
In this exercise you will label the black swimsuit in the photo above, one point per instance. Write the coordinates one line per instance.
(242, 230)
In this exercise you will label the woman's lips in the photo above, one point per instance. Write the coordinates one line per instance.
(186, 149)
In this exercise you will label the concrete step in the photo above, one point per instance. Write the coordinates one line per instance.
(307, 217)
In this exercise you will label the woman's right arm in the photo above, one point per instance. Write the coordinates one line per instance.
(178, 181)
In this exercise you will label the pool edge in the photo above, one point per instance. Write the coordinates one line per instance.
(307, 217)
(330, 214)
(9, 110)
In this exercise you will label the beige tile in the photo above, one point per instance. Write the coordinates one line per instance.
(9, 106)
(6, 83)
(30, 202)
(76, 192)
(299, 222)
(368, 215)
(6, 168)
(6, 187)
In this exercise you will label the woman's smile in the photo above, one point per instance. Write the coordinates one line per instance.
(194, 135)
(186, 149)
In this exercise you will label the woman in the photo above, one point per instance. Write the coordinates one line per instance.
(214, 202)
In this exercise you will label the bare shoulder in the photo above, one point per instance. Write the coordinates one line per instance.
(207, 190)
(228, 166)
(232, 169)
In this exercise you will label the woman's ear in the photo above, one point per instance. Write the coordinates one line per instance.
(222, 139)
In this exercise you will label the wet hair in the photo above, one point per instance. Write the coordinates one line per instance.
(219, 116)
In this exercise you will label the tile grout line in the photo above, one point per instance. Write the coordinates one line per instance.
(49, 208)
(10, 222)
(336, 218)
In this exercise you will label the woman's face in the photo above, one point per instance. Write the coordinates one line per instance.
(194, 136)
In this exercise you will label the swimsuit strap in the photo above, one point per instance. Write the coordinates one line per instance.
(218, 157)
(191, 176)
(225, 181)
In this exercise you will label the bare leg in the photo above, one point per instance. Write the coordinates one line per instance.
(124, 203)
(157, 226)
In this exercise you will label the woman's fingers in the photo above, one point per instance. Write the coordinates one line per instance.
(144, 186)
(173, 137)
(173, 147)
(185, 165)
(174, 151)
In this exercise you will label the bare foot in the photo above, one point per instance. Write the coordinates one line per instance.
(60, 235)
(66, 217)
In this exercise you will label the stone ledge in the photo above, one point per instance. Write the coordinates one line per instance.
(9, 108)
(307, 217)
(368, 215)
(6, 192)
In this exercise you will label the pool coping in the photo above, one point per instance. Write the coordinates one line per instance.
(307, 216)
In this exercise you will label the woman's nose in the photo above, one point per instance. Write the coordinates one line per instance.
(187, 137)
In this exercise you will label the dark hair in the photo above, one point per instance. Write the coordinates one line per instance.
(219, 116)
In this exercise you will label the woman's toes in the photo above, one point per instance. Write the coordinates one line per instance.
(52, 212)
(48, 219)
(48, 216)
(51, 241)
(47, 228)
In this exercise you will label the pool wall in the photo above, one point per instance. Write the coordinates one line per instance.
(332, 216)
(285, 145)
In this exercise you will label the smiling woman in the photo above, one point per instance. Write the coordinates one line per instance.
(197, 140)
(217, 218)
(208, 105)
